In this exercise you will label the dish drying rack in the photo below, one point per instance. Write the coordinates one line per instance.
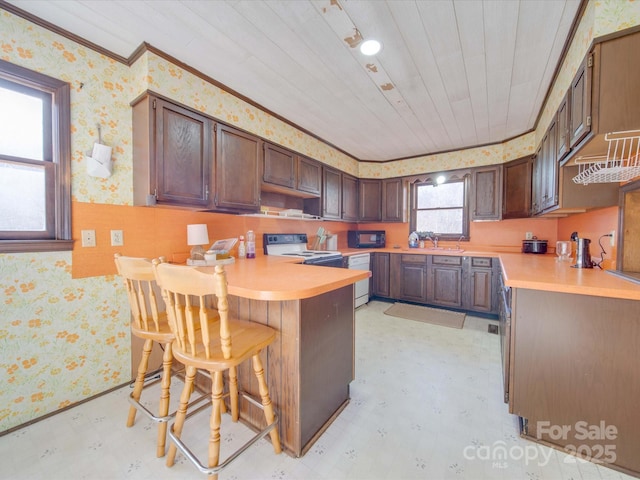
(621, 164)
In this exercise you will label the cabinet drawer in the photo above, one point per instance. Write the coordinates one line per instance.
(414, 259)
(480, 262)
(446, 260)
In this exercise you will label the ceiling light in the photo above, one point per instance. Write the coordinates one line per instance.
(370, 47)
(440, 179)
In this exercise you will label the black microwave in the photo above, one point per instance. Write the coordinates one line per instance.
(366, 238)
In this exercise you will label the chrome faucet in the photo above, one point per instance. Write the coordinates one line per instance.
(458, 242)
(434, 240)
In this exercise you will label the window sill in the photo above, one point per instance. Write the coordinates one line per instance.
(29, 246)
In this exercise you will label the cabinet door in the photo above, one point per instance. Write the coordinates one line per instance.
(349, 198)
(413, 278)
(183, 155)
(516, 197)
(486, 194)
(369, 201)
(279, 166)
(445, 281)
(580, 96)
(380, 275)
(550, 168)
(536, 185)
(481, 292)
(309, 176)
(238, 160)
(563, 118)
(392, 200)
(331, 193)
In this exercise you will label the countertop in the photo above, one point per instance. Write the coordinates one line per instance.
(545, 272)
(280, 278)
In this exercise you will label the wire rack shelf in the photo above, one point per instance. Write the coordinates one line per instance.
(620, 164)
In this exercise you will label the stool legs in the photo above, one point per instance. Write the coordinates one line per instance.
(181, 414)
(139, 384)
(216, 420)
(266, 402)
(233, 393)
(167, 359)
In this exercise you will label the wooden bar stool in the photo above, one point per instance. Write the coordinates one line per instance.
(215, 345)
(148, 322)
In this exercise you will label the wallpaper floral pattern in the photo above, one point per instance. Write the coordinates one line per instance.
(63, 340)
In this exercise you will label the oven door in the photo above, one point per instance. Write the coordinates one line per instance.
(326, 262)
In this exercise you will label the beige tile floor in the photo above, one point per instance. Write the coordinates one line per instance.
(426, 404)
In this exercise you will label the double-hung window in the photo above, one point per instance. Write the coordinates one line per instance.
(35, 161)
(440, 208)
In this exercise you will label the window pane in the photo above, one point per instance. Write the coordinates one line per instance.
(21, 125)
(442, 196)
(447, 221)
(22, 197)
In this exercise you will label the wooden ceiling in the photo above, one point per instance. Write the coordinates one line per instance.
(451, 74)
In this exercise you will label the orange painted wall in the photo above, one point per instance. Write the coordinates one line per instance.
(593, 225)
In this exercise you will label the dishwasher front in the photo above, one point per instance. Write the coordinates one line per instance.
(360, 261)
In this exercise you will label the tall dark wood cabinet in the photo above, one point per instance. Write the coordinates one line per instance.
(238, 160)
(516, 195)
(173, 155)
(331, 193)
(393, 200)
(370, 200)
(349, 198)
(486, 193)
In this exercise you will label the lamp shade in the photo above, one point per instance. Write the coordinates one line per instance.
(197, 234)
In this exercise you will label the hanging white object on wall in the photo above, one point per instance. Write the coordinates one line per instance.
(99, 163)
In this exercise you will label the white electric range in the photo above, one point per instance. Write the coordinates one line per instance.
(295, 245)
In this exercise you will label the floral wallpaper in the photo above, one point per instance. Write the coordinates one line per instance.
(63, 340)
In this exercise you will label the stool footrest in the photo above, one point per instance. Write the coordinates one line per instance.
(214, 470)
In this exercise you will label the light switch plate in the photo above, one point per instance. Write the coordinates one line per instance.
(528, 235)
(117, 240)
(88, 238)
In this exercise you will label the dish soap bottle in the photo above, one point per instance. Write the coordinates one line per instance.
(251, 244)
(413, 240)
(242, 251)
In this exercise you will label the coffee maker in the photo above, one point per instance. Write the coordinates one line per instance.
(583, 256)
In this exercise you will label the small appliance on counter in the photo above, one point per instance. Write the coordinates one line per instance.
(583, 255)
(366, 238)
(534, 246)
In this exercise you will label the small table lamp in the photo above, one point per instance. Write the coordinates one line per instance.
(197, 235)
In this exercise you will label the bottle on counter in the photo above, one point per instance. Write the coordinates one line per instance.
(242, 250)
(251, 244)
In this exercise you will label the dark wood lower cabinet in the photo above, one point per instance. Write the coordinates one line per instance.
(451, 281)
(574, 374)
(309, 366)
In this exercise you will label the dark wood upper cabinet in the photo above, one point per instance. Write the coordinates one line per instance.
(349, 198)
(393, 200)
(238, 160)
(516, 196)
(173, 155)
(280, 166)
(580, 95)
(563, 143)
(486, 193)
(331, 193)
(370, 200)
(309, 177)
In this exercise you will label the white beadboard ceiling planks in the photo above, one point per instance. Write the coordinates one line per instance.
(452, 74)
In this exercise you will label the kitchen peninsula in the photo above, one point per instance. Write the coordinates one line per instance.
(572, 358)
(311, 363)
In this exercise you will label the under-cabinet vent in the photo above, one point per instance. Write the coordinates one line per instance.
(621, 164)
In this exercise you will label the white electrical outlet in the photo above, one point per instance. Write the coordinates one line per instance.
(88, 238)
(528, 235)
(612, 239)
(117, 240)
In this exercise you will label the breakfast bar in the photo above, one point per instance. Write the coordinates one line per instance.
(572, 351)
(311, 363)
